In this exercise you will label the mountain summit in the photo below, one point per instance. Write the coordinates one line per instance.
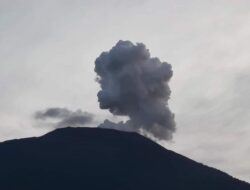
(95, 158)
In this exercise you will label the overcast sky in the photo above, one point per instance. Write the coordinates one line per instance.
(48, 49)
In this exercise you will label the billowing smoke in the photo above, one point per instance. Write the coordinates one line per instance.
(134, 84)
(63, 117)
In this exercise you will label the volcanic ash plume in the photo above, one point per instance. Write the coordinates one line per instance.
(134, 84)
(63, 117)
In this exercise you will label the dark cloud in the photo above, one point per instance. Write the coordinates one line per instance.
(63, 117)
(136, 85)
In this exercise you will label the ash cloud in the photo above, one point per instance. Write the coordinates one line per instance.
(134, 84)
(63, 117)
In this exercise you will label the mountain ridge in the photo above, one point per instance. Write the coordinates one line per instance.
(114, 159)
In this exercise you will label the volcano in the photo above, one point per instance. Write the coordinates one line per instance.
(95, 158)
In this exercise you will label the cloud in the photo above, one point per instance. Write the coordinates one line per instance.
(134, 84)
(63, 117)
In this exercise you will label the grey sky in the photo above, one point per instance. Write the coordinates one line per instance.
(48, 49)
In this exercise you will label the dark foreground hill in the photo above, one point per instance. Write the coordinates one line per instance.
(95, 159)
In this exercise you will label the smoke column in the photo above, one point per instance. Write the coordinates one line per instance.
(134, 84)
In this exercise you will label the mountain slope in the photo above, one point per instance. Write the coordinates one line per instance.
(94, 158)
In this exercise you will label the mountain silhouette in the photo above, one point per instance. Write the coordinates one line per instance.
(95, 159)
